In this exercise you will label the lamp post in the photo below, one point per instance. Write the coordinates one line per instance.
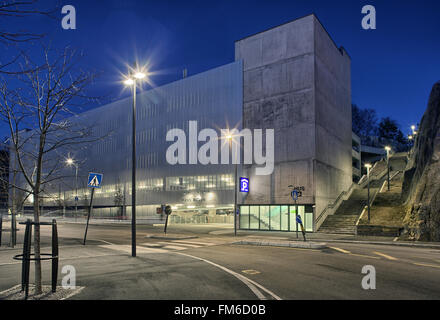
(131, 81)
(71, 162)
(368, 166)
(230, 137)
(388, 149)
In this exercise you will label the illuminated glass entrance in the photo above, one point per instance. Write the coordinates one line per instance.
(275, 217)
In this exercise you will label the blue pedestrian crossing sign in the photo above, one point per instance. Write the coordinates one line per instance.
(94, 180)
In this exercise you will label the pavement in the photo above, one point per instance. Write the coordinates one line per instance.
(214, 264)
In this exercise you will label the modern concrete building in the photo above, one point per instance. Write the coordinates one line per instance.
(291, 78)
(297, 81)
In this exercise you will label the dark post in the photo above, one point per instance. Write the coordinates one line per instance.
(235, 201)
(88, 216)
(1, 227)
(388, 169)
(133, 179)
(368, 184)
(296, 213)
(54, 255)
(27, 257)
(166, 224)
(24, 264)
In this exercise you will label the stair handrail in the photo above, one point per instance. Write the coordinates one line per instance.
(335, 202)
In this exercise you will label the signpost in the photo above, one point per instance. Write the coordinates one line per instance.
(298, 220)
(296, 193)
(168, 211)
(94, 181)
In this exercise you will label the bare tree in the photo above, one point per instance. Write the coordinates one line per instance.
(45, 100)
(14, 11)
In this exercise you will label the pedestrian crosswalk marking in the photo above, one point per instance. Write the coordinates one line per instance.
(195, 242)
(127, 249)
(182, 244)
(175, 247)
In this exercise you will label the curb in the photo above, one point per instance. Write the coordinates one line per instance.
(395, 243)
(291, 244)
(172, 237)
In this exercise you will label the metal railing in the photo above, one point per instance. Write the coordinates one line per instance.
(26, 257)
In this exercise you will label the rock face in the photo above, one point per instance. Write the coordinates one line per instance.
(421, 187)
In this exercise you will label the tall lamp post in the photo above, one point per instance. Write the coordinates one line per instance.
(71, 162)
(388, 149)
(131, 81)
(230, 137)
(368, 166)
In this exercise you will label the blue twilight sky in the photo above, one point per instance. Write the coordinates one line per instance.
(393, 67)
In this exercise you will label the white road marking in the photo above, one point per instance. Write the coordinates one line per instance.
(251, 271)
(426, 265)
(195, 242)
(150, 245)
(175, 248)
(385, 256)
(248, 282)
(182, 244)
(127, 248)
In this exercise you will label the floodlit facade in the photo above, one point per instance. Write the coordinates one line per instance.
(291, 78)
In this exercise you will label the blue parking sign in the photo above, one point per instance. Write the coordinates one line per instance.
(244, 184)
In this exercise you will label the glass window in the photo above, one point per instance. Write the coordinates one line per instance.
(244, 217)
(264, 217)
(284, 218)
(275, 218)
(292, 218)
(309, 218)
(254, 217)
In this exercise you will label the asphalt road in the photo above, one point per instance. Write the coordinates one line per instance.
(210, 266)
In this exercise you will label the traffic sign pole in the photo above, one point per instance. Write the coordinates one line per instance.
(88, 216)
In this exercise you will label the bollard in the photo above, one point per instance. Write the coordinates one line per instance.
(54, 255)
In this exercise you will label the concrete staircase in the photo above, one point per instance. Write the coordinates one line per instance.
(345, 218)
(342, 224)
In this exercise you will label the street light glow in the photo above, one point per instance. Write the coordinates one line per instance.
(388, 148)
(368, 165)
(129, 82)
(139, 75)
(413, 127)
(69, 161)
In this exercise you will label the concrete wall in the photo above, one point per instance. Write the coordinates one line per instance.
(297, 82)
(278, 93)
(333, 170)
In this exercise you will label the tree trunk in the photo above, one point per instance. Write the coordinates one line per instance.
(38, 288)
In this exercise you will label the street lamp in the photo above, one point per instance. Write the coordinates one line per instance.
(131, 81)
(70, 162)
(368, 166)
(388, 149)
(230, 137)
